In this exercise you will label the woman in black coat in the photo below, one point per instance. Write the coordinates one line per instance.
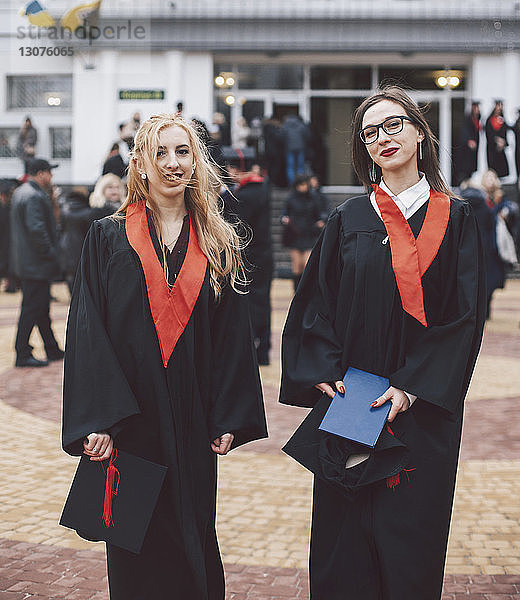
(302, 221)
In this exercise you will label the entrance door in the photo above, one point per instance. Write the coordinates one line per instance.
(280, 111)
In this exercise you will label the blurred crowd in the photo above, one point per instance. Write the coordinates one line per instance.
(253, 157)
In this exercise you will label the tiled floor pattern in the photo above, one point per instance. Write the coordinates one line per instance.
(264, 497)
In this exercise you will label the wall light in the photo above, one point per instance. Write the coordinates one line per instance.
(448, 78)
(225, 79)
(230, 100)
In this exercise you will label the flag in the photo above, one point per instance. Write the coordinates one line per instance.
(77, 15)
(37, 15)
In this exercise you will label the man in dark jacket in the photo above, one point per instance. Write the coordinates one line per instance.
(296, 135)
(34, 259)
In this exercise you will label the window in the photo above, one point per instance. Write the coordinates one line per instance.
(8, 142)
(39, 91)
(340, 78)
(61, 138)
(259, 76)
(419, 78)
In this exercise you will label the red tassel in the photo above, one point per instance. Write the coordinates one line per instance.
(111, 489)
(394, 480)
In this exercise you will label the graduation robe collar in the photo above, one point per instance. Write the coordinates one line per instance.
(411, 257)
(171, 309)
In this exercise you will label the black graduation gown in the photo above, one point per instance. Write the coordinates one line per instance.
(467, 157)
(371, 542)
(496, 158)
(115, 380)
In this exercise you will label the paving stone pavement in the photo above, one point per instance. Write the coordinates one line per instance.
(264, 498)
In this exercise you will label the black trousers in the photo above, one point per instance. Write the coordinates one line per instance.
(36, 298)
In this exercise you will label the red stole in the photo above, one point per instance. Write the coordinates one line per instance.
(171, 309)
(411, 257)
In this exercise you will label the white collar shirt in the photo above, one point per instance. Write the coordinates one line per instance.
(408, 201)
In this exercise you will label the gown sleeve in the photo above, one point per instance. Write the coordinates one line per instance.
(237, 405)
(311, 352)
(96, 394)
(440, 359)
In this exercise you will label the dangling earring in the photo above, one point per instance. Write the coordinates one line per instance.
(143, 175)
(420, 150)
(373, 173)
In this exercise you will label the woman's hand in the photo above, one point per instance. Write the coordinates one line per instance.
(222, 444)
(98, 446)
(400, 402)
(326, 388)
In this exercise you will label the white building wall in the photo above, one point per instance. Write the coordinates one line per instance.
(98, 111)
(13, 63)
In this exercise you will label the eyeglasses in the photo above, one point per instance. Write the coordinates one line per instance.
(391, 126)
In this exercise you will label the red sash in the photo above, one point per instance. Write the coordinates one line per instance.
(411, 257)
(171, 309)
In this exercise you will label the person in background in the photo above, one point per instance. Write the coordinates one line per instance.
(250, 203)
(241, 133)
(109, 192)
(7, 186)
(274, 151)
(501, 208)
(302, 222)
(114, 162)
(213, 146)
(516, 130)
(469, 143)
(394, 287)
(5, 196)
(34, 258)
(471, 191)
(296, 136)
(315, 188)
(496, 136)
(176, 390)
(76, 218)
(129, 129)
(27, 139)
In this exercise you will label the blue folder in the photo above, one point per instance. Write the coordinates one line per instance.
(350, 416)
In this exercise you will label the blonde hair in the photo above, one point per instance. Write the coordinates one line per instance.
(97, 198)
(218, 239)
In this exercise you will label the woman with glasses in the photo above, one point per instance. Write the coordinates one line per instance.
(393, 287)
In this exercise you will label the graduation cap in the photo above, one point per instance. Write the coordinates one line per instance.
(113, 501)
(325, 455)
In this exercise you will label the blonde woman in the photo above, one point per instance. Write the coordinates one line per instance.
(108, 195)
(173, 378)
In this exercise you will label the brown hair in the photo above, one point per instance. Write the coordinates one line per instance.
(429, 164)
(218, 239)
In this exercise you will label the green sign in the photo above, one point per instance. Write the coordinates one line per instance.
(141, 94)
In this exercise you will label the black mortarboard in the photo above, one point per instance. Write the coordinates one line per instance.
(130, 483)
(325, 454)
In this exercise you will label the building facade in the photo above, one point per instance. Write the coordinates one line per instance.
(253, 59)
